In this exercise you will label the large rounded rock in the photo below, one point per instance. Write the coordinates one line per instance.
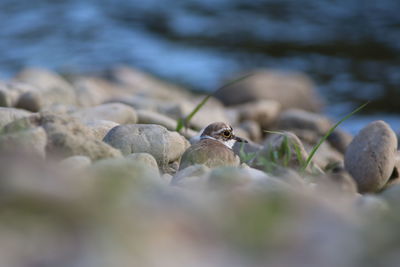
(8, 115)
(156, 140)
(290, 90)
(370, 158)
(51, 87)
(116, 112)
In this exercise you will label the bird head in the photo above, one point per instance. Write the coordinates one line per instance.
(221, 132)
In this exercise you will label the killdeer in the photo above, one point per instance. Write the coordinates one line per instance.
(214, 148)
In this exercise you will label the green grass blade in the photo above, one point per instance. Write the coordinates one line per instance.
(323, 139)
(179, 125)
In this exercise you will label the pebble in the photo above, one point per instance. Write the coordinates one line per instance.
(371, 156)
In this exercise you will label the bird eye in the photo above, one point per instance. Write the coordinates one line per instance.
(227, 133)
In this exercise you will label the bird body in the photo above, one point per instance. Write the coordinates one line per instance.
(214, 148)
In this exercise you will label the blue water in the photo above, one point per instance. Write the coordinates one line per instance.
(351, 48)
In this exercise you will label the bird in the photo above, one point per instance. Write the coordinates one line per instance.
(214, 149)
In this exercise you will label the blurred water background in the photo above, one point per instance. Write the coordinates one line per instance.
(351, 48)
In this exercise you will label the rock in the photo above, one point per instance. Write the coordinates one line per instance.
(31, 142)
(144, 84)
(370, 158)
(10, 92)
(395, 176)
(51, 87)
(8, 115)
(75, 163)
(340, 140)
(264, 112)
(116, 112)
(145, 159)
(190, 176)
(163, 145)
(100, 128)
(303, 120)
(31, 100)
(289, 89)
(66, 136)
(252, 129)
(93, 91)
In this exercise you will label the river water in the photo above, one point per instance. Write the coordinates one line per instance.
(351, 48)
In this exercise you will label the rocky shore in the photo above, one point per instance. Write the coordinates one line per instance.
(89, 175)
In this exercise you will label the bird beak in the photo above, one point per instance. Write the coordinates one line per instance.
(239, 139)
